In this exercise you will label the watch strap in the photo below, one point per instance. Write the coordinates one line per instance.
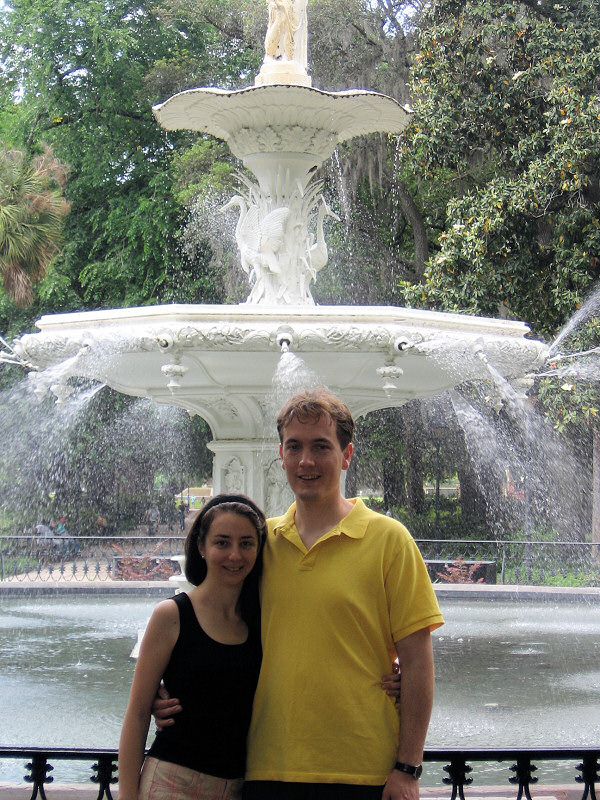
(415, 772)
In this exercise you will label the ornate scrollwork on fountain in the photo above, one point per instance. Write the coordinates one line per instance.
(276, 138)
(233, 476)
(277, 491)
(278, 252)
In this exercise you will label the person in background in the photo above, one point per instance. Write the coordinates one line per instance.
(152, 519)
(181, 511)
(205, 645)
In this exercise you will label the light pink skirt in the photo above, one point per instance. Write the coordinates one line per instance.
(161, 780)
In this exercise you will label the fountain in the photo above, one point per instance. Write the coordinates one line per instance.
(219, 360)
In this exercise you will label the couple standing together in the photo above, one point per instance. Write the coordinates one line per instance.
(343, 591)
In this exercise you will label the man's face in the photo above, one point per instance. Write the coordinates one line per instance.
(313, 459)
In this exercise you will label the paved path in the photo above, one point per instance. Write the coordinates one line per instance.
(78, 792)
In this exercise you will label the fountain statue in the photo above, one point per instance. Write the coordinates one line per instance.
(219, 360)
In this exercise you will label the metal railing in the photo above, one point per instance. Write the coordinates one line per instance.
(520, 561)
(521, 764)
(85, 558)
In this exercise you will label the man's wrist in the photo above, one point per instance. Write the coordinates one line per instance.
(409, 769)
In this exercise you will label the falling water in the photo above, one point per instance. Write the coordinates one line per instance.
(516, 445)
(292, 375)
(342, 192)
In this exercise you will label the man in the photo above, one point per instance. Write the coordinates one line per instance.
(344, 590)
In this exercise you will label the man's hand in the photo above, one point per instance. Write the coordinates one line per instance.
(391, 683)
(163, 708)
(400, 786)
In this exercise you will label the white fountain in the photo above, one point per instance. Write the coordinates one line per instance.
(219, 360)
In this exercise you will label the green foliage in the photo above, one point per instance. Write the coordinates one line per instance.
(32, 210)
(80, 76)
(569, 392)
(507, 118)
(540, 577)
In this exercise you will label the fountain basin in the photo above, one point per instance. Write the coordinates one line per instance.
(508, 673)
(219, 361)
(347, 347)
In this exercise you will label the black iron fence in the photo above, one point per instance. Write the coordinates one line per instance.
(42, 768)
(524, 561)
(86, 558)
(131, 558)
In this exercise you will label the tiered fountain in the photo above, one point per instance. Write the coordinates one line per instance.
(219, 360)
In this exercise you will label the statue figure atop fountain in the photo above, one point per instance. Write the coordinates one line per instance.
(286, 44)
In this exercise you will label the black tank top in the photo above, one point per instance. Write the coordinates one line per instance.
(215, 683)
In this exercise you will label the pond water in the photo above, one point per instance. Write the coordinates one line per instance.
(507, 674)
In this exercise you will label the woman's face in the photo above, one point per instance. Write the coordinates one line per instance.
(230, 548)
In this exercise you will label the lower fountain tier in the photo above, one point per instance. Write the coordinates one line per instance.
(219, 360)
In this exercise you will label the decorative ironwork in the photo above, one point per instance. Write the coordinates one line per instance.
(26, 558)
(104, 764)
(458, 771)
(589, 775)
(38, 775)
(523, 776)
(458, 766)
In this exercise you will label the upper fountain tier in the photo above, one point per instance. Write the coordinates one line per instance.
(281, 123)
(279, 127)
(282, 130)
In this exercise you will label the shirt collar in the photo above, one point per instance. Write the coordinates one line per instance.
(354, 524)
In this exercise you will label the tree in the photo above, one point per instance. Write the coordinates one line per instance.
(507, 126)
(32, 210)
(80, 80)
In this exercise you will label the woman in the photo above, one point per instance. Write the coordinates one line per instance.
(205, 645)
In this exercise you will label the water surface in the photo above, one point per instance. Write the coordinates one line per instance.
(507, 674)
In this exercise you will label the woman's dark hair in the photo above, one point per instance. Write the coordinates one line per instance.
(195, 565)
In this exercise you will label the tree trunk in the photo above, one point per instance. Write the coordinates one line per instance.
(419, 230)
(394, 488)
(413, 438)
(596, 495)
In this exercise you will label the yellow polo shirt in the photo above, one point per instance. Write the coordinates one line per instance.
(330, 617)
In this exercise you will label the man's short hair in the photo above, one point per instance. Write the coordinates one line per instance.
(311, 405)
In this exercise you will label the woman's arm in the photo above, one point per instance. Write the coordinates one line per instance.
(155, 652)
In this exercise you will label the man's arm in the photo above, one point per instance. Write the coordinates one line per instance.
(163, 708)
(415, 656)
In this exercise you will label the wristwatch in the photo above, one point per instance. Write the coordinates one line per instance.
(416, 772)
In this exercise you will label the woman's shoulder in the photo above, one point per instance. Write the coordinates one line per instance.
(166, 612)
